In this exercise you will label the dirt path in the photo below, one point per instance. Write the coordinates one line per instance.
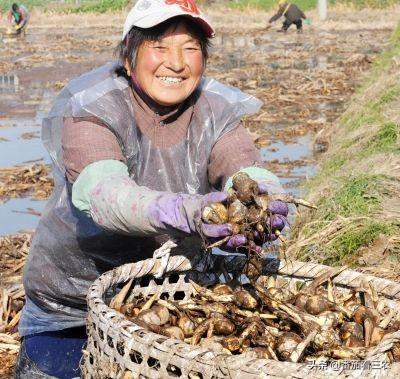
(304, 81)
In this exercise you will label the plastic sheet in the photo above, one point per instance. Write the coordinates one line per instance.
(69, 250)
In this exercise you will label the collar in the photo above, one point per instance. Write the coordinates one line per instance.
(153, 109)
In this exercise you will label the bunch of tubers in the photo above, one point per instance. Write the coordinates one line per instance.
(273, 318)
(256, 218)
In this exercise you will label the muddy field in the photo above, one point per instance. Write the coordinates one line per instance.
(303, 79)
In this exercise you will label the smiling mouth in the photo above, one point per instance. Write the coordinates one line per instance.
(170, 79)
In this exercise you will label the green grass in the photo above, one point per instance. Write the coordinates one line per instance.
(100, 6)
(341, 249)
(356, 196)
(370, 115)
(6, 5)
(368, 3)
(334, 164)
(386, 138)
(71, 5)
(371, 112)
(390, 94)
(270, 4)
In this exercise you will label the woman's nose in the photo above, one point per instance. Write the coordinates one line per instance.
(175, 60)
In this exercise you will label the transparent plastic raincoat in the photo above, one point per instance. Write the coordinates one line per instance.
(69, 251)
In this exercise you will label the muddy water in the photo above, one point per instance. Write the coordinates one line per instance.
(35, 68)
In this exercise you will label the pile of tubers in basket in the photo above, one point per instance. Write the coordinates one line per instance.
(273, 318)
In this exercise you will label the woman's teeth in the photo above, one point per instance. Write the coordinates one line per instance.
(169, 79)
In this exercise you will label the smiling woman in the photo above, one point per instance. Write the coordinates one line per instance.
(168, 61)
(139, 147)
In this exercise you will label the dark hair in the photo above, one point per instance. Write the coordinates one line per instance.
(14, 7)
(128, 48)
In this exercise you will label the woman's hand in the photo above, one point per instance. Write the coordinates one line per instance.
(277, 210)
(182, 212)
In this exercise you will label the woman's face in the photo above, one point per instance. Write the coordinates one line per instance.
(169, 70)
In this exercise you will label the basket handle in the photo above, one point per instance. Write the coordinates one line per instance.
(163, 252)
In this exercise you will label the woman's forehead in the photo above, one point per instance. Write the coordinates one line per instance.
(178, 29)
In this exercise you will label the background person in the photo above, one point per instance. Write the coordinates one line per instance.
(293, 15)
(139, 146)
(19, 17)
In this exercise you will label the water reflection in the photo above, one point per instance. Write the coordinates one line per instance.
(287, 151)
(21, 145)
(21, 215)
(291, 161)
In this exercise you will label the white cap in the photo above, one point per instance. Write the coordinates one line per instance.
(148, 13)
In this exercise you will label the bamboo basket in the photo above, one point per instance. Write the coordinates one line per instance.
(118, 348)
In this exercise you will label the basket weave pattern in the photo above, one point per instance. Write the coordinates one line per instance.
(116, 344)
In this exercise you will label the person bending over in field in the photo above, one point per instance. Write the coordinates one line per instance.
(293, 15)
(18, 16)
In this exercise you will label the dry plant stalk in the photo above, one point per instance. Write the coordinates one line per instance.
(26, 180)
(13, 251)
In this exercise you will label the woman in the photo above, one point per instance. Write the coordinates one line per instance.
(139, 147)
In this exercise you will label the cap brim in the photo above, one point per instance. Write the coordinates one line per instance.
(158, 18)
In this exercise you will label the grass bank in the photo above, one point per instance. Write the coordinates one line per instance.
(357, 188)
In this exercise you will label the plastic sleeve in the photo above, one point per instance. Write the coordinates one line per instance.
(90, 176)
(106, 193)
